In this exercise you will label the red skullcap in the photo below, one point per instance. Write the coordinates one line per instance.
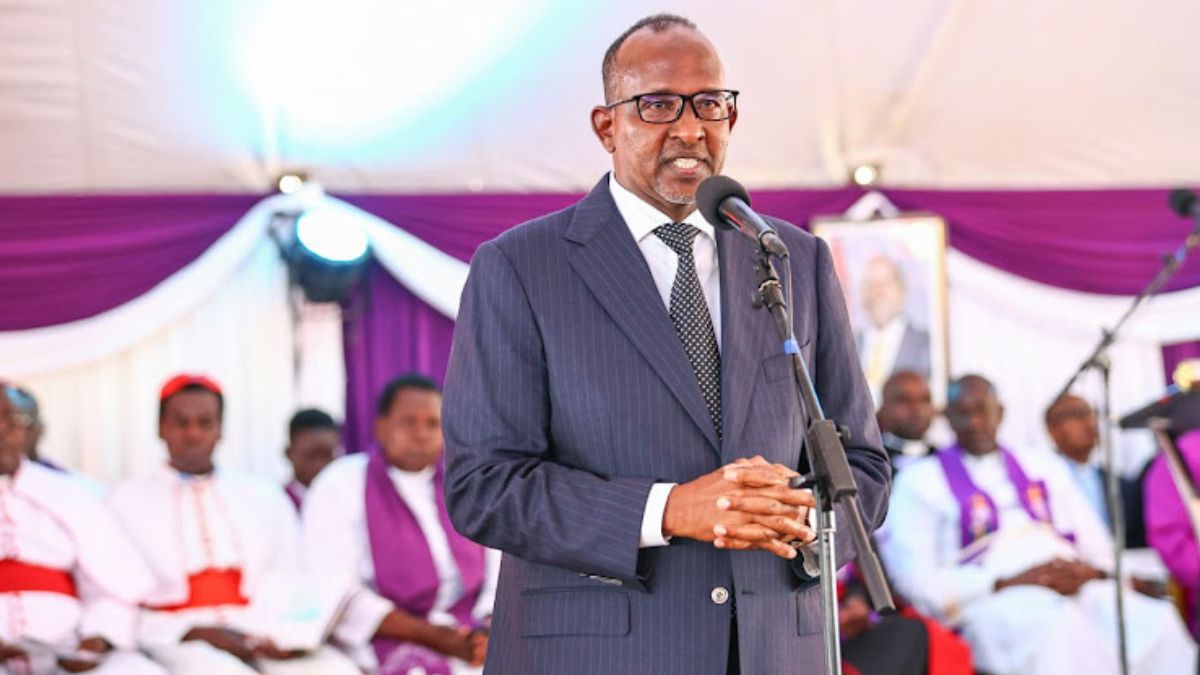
(180, 382)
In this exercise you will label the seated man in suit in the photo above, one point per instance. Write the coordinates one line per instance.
(212, 537)
(378, 519)
(70, 580)
(1006, 549)
(1071, 423)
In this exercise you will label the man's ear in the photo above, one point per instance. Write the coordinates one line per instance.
(602, 126)
(733, 119)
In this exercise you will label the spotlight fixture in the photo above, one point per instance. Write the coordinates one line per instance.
(327, 254)
(290, 183)
(865, 175)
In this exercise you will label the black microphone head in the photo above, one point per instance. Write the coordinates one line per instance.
(714, 190)
(1182, 201)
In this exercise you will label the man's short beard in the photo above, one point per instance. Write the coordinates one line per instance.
(674, 197)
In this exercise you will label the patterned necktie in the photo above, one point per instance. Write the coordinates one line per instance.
(689, 313)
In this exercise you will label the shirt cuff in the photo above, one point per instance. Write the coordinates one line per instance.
(652, 517)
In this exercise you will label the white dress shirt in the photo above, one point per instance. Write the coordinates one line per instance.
(642, 219)
(1091, 482)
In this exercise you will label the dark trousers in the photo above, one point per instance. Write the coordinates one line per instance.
(894, 646)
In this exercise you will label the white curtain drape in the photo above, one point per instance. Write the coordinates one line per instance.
(1029, 338)
(101, 416)
(229, 313)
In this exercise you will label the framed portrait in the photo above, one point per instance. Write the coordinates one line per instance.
(893, 275)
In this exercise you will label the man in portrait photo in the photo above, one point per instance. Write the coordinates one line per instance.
(889, 341)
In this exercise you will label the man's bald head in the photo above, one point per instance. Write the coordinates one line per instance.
(907, 407)
(658, 23)
(974, 412)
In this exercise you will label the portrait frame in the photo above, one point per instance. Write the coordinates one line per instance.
(874, 260)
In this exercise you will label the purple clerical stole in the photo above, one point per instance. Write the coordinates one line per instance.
(978, 514)
(405, 572)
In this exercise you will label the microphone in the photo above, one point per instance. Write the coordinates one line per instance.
(1183, 202)
(726, 204)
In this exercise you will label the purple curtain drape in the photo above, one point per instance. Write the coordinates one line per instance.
(1100, 242)
(1095, 241)
(386, 331)
(67, 258)
(1174, 354)
(64, 258)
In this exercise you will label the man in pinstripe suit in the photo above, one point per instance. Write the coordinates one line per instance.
(612, 396)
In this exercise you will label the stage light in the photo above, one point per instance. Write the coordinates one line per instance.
(331, 236)
(1187, 375)
(326, 254)
(865, 175)
(290, 183)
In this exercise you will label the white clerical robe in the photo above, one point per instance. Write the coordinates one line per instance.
(336, 543)
(50, 520)
(1026, 630)
(184, 525)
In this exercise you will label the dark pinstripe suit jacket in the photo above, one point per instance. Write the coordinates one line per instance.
(569, 394)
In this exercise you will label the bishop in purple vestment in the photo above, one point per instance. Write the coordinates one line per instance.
(423, 592)
(1168, 528)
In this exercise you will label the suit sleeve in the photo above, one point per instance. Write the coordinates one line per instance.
(846, 399)
(504, 488)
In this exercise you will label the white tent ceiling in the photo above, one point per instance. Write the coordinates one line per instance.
(143, 95)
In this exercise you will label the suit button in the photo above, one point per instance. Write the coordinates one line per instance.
(720, 595)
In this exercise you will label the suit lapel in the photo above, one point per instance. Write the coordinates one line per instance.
(746, 339)
(614, 270)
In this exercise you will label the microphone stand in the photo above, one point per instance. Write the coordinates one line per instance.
(1099, 360)
(829, 476)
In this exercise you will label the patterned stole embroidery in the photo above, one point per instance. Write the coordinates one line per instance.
(979, 515)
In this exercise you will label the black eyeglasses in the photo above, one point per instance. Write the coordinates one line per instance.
(710, 106)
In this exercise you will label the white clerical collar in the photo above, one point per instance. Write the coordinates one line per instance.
(423, 476)
(642, 218)
(913, 448)
(993, 457)
(185, 477)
